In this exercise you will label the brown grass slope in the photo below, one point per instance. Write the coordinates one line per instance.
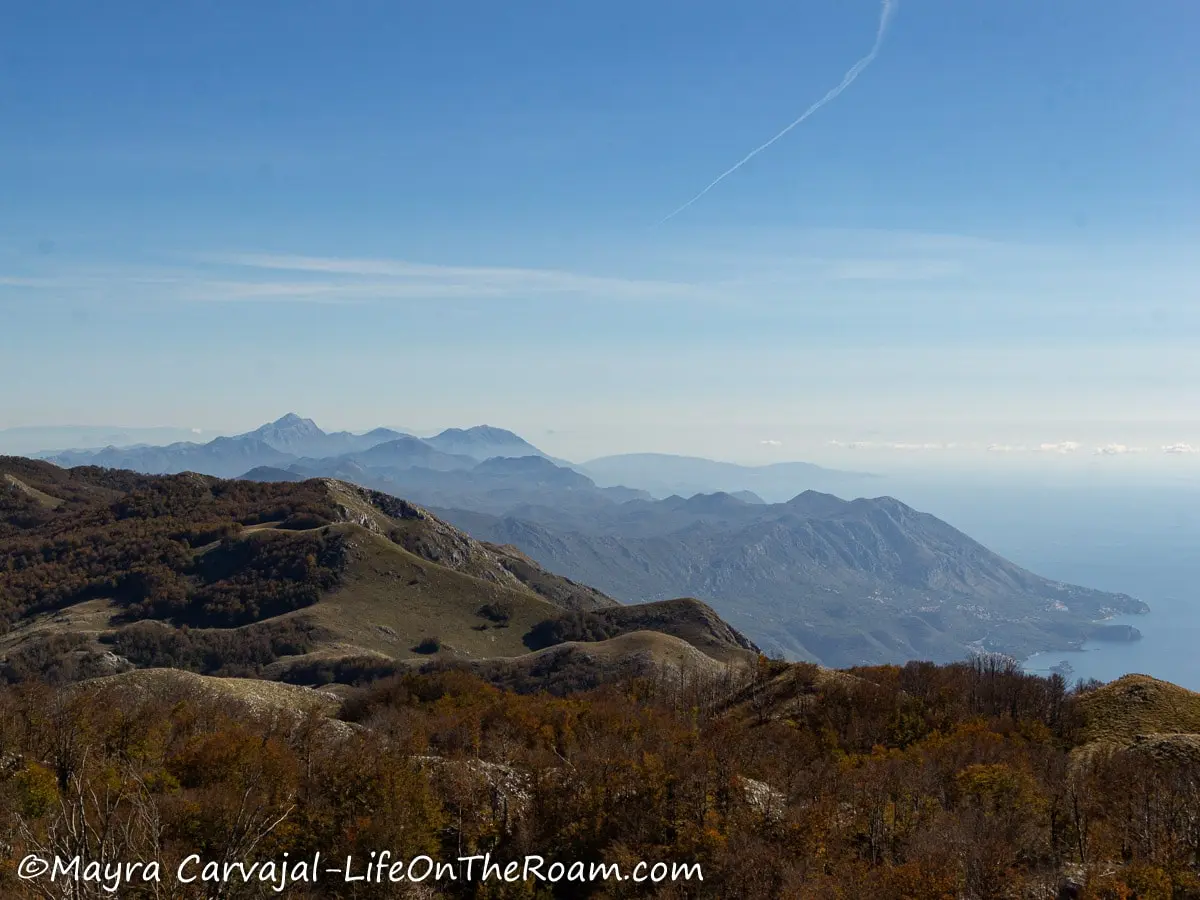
(262, 696)
(390, 599)
(579, 665)
(688, 619)
(98, 567)
(42, 499)
(424, 535)
(1136, 705)
(289, 705)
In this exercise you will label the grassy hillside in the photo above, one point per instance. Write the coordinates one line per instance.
(684, 618)
(101, 570)
(575, 666)
(389, 600)
(1139, 705)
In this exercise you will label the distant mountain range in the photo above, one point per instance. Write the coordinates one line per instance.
(293, 439)
(663, 474)
(301, 437)
(40, 439)
(348, 580)
(484, 442)
(500, 485)
(838, 582)
(349, 666)
(816, 577)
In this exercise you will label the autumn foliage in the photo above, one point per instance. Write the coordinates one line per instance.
(922, 782)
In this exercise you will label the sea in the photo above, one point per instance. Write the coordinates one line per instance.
(1135, 539)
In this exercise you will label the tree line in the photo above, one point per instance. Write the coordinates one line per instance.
(918, 782)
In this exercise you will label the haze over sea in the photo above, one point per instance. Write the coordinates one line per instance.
(1133, 538)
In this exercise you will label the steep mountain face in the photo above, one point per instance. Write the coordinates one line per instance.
(819, 578)
(292, 434)
(482, 442)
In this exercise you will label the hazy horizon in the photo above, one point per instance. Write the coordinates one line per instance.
(453, 217)
(1063, 462)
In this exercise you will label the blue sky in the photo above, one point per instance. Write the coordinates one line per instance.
(448, 213)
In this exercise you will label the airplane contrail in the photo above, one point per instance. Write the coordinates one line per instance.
(847, 80)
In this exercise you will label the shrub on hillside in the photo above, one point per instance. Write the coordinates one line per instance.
(428, 645)
(574, 626)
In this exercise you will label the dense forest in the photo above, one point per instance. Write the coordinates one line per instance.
(138, 540)
(916, 783)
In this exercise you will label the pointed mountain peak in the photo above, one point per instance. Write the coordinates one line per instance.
(289, 434)
(291, 420)
(290, 426)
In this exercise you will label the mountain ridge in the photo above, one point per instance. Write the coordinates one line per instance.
(839, 582)
(295, 574)
(292, 438)
(845, 582)
(666, 473)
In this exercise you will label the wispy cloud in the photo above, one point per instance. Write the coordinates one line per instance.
(326, 279)
(1180, 449)
(770, 443)
(895, 445)
(318, 279)
(910, 445)
(873, 281)
(34, 282)
(1060, 447)
(1117, 450)
(405, 278)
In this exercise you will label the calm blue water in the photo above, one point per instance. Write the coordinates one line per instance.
(1138, 540)
(1167, 650)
